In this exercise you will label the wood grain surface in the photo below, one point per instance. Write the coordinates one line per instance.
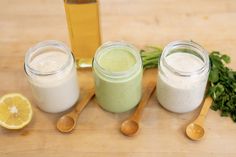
(211, 23)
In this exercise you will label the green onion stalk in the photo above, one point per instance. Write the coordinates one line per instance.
(150, 57)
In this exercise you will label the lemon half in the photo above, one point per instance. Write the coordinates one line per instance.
(15, 111)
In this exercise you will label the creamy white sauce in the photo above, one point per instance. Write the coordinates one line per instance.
(56, 92)
(177, 93)
(50, 61)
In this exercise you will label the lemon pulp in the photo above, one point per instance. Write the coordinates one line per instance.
(15, 111)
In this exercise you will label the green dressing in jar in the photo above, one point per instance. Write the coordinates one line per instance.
(117, 69)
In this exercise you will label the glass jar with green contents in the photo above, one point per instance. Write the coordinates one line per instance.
(117, 70)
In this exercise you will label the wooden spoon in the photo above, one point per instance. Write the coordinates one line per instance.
(68, 121)
(131, 125)
(195, 130)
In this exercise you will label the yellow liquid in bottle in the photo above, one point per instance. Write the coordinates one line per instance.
(83, 24)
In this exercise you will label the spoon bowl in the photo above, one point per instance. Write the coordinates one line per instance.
(129, 127)
(66, 123)
(195, 131)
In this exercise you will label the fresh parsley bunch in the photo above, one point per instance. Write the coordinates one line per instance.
(222, 85)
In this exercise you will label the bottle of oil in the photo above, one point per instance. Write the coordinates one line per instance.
(83, 25)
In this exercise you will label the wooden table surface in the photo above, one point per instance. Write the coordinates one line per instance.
(211, 23)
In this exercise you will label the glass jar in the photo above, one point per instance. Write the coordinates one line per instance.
(51, 72)
(182, 77)
(117, 70)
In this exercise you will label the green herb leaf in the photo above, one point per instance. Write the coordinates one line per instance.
(214, 75)
(225, 58)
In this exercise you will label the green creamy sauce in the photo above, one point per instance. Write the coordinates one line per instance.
(117, 60)
(118, 95)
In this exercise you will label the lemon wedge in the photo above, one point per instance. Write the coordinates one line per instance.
(15, 111)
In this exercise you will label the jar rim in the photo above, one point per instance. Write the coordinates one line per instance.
(188, 45)
(47, 43)
(113, 44)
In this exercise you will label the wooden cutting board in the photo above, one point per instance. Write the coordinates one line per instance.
(23, 23)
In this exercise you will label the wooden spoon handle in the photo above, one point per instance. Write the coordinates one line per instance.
(80, 106)
(204, 110)
(147, 94)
